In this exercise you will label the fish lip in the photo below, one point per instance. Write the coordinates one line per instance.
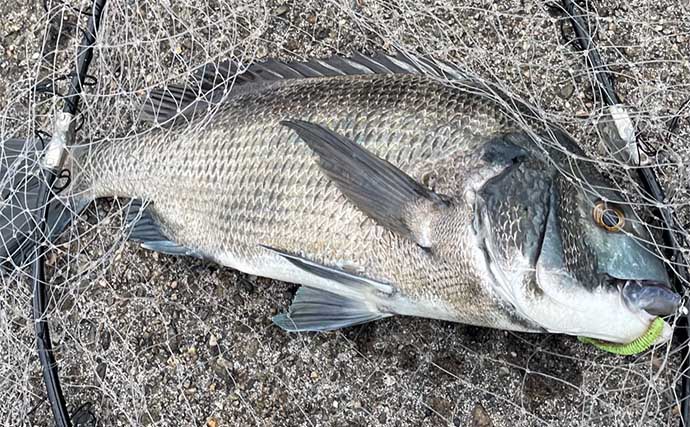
(652, 297)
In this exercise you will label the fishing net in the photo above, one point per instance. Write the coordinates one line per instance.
(150, 339)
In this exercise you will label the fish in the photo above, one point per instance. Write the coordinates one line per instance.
(384, 186)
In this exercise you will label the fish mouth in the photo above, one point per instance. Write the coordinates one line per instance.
(655, 298)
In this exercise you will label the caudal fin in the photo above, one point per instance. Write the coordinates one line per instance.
(20, 179)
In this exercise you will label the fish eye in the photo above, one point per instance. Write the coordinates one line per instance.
(610, 218)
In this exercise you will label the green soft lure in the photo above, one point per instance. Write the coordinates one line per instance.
(636, 346)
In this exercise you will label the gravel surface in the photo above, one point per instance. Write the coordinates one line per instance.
(155, 340)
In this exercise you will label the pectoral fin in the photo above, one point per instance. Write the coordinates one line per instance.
(345, 299)
(379, 189)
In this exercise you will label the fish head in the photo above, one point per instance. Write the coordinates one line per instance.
(598, 252)
(570, 257)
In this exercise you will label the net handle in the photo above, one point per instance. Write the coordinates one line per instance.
(52, 163)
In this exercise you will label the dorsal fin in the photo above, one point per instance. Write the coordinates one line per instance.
(210, 77)
(212, 82)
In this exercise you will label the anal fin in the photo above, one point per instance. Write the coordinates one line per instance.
(145, 228)
(320, 310)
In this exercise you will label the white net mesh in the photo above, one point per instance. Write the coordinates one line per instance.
(150, 339)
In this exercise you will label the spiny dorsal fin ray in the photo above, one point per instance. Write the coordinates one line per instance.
(379, 189)
(212, 76)
(213, 82)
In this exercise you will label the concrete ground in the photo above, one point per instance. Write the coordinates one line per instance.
(156, 340)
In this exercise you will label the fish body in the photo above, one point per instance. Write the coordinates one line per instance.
(382, 193)
(243, 180)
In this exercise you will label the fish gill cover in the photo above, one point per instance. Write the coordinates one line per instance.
(150, 339)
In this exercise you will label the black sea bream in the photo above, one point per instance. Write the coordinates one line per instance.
(383, 191)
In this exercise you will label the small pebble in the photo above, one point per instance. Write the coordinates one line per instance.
(566, 91)
(480, 418)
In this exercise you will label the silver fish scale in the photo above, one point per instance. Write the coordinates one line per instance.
(226, 185)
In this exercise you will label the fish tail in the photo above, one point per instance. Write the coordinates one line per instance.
(20, 179)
